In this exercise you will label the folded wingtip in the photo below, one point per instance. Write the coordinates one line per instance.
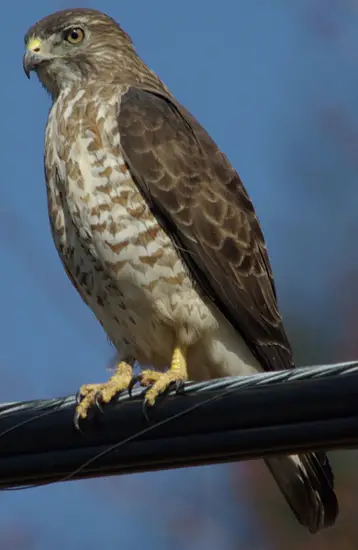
(306, 481)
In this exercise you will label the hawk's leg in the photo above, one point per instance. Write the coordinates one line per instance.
(93, 394)
(161, 381)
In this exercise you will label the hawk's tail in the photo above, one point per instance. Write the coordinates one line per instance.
(306, 481)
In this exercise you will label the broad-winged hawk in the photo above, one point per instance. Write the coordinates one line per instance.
(156, 231)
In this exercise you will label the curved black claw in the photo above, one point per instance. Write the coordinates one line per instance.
(76, 421)
(97, 402)
(145, 405)
(176, 385)
(78, 397)
(132, 383)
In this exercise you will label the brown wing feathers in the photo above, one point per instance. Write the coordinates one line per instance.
(199, 197)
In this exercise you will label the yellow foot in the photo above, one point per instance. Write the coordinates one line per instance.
(91, 394)
(161, 381)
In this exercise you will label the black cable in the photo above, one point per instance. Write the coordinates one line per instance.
(222, 420)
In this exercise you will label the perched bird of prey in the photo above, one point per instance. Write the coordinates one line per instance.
(156, 231)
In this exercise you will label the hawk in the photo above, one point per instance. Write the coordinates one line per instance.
(157, 232)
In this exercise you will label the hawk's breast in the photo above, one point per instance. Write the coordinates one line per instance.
(118, 256)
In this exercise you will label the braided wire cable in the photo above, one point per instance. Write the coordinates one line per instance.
(223, 420)
(220, 384)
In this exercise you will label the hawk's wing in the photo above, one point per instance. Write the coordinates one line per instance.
(201, 202)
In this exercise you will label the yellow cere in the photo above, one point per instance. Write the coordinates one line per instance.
(34, 44)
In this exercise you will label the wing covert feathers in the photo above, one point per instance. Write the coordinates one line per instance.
(202, 204)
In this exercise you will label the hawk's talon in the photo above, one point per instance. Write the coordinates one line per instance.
(145, 409)
(132, 383)
(76, 421)
(96, 395)
(173, 385)
(98, 403)
(159, 383)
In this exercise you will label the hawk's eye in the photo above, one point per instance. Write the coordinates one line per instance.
(75, 35)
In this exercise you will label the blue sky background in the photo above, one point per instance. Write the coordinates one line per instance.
(275, 83)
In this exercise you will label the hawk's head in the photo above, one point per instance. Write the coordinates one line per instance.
(76, 45)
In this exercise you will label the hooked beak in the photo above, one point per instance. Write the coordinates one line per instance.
(32, 57)
(30, 61)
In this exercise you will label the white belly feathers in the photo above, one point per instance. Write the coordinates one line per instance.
(123, 263)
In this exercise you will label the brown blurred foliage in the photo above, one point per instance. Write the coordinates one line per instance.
(281, 530)
(18, 536)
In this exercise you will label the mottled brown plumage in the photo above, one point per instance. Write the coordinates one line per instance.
(156, 231)
(201, 201)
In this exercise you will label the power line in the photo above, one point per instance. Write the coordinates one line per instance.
(224, 420)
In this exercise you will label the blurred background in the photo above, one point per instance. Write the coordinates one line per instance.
(275, 83)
